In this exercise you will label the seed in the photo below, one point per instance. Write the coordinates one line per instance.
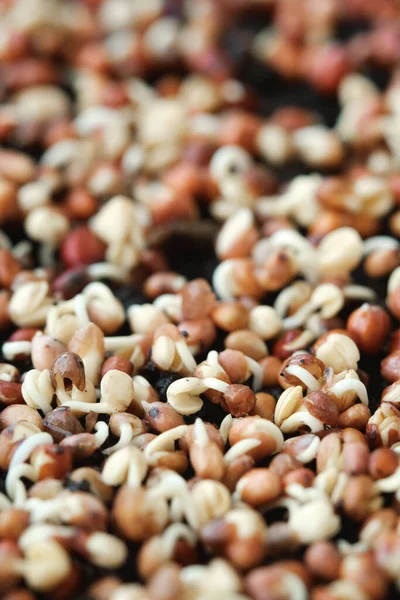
(302, 476)
(163, 283)
(382, 463)
(323, 560)
(14, 413)
(355, 416)
(390, 367)
(61, 423)
(322, 407)
(71, 282)
(355, 458)
(271, 366)
(265, 406)
(9, 267)
(369, 326)
(198, 300)
(82, 247)
(259, 486)
(117, 362)
(135, 516)
(248, 342)
(80, 204)
(230, 316)
(238, 399)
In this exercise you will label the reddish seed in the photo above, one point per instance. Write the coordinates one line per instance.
(369, 325)
(80, 204)
(23, 335)
(119, 363)
(71, 282)
(325, 67)
(82, 247)
(390, 367)
(239, 400)
(9, 267)
(395, 341)
(278, 349)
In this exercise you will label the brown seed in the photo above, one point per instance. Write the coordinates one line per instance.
(16, 166)
(71, 368)
(46, 489)
(238, 400)
(235, 364)
(282, 464)
(51, 461)
(4, 317)
(160, 283)
(198, 299)
(199, 332)
(19, 594)
(10, 554)
(161, 416)
(117, 362)
(80, 204)
(281, 539)
(212, 433)
(45, 350)
(13, 521)
(277, 271)
(235, 470)
(84, 510)
(103, 588)
(323, 560)
(207, 461)
(357, 497)
(369, 326)
(309, 362)
(355, 458)
(10, 393)
(134, 516)
(246, 553)
(265, 406)
(82, 445)
(321, 406)
(248, 342)
(393, 303)
(395, 341)
(25, 334)
(363, 570)
(390, 367)
(302, 476)
(91, 477)
(174, 461)
(272, 578)
(356, 416)
(9, 267)
(82, 247)
(14, 413)
(165, 583)
(259, 486)
(70, 283)
(381, 263)
(382, 463)
(246, 428)
(271, 366)
(279, 348)
(230, 316)
(61, 423)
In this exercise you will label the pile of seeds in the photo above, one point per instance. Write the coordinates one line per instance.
(200, 293)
